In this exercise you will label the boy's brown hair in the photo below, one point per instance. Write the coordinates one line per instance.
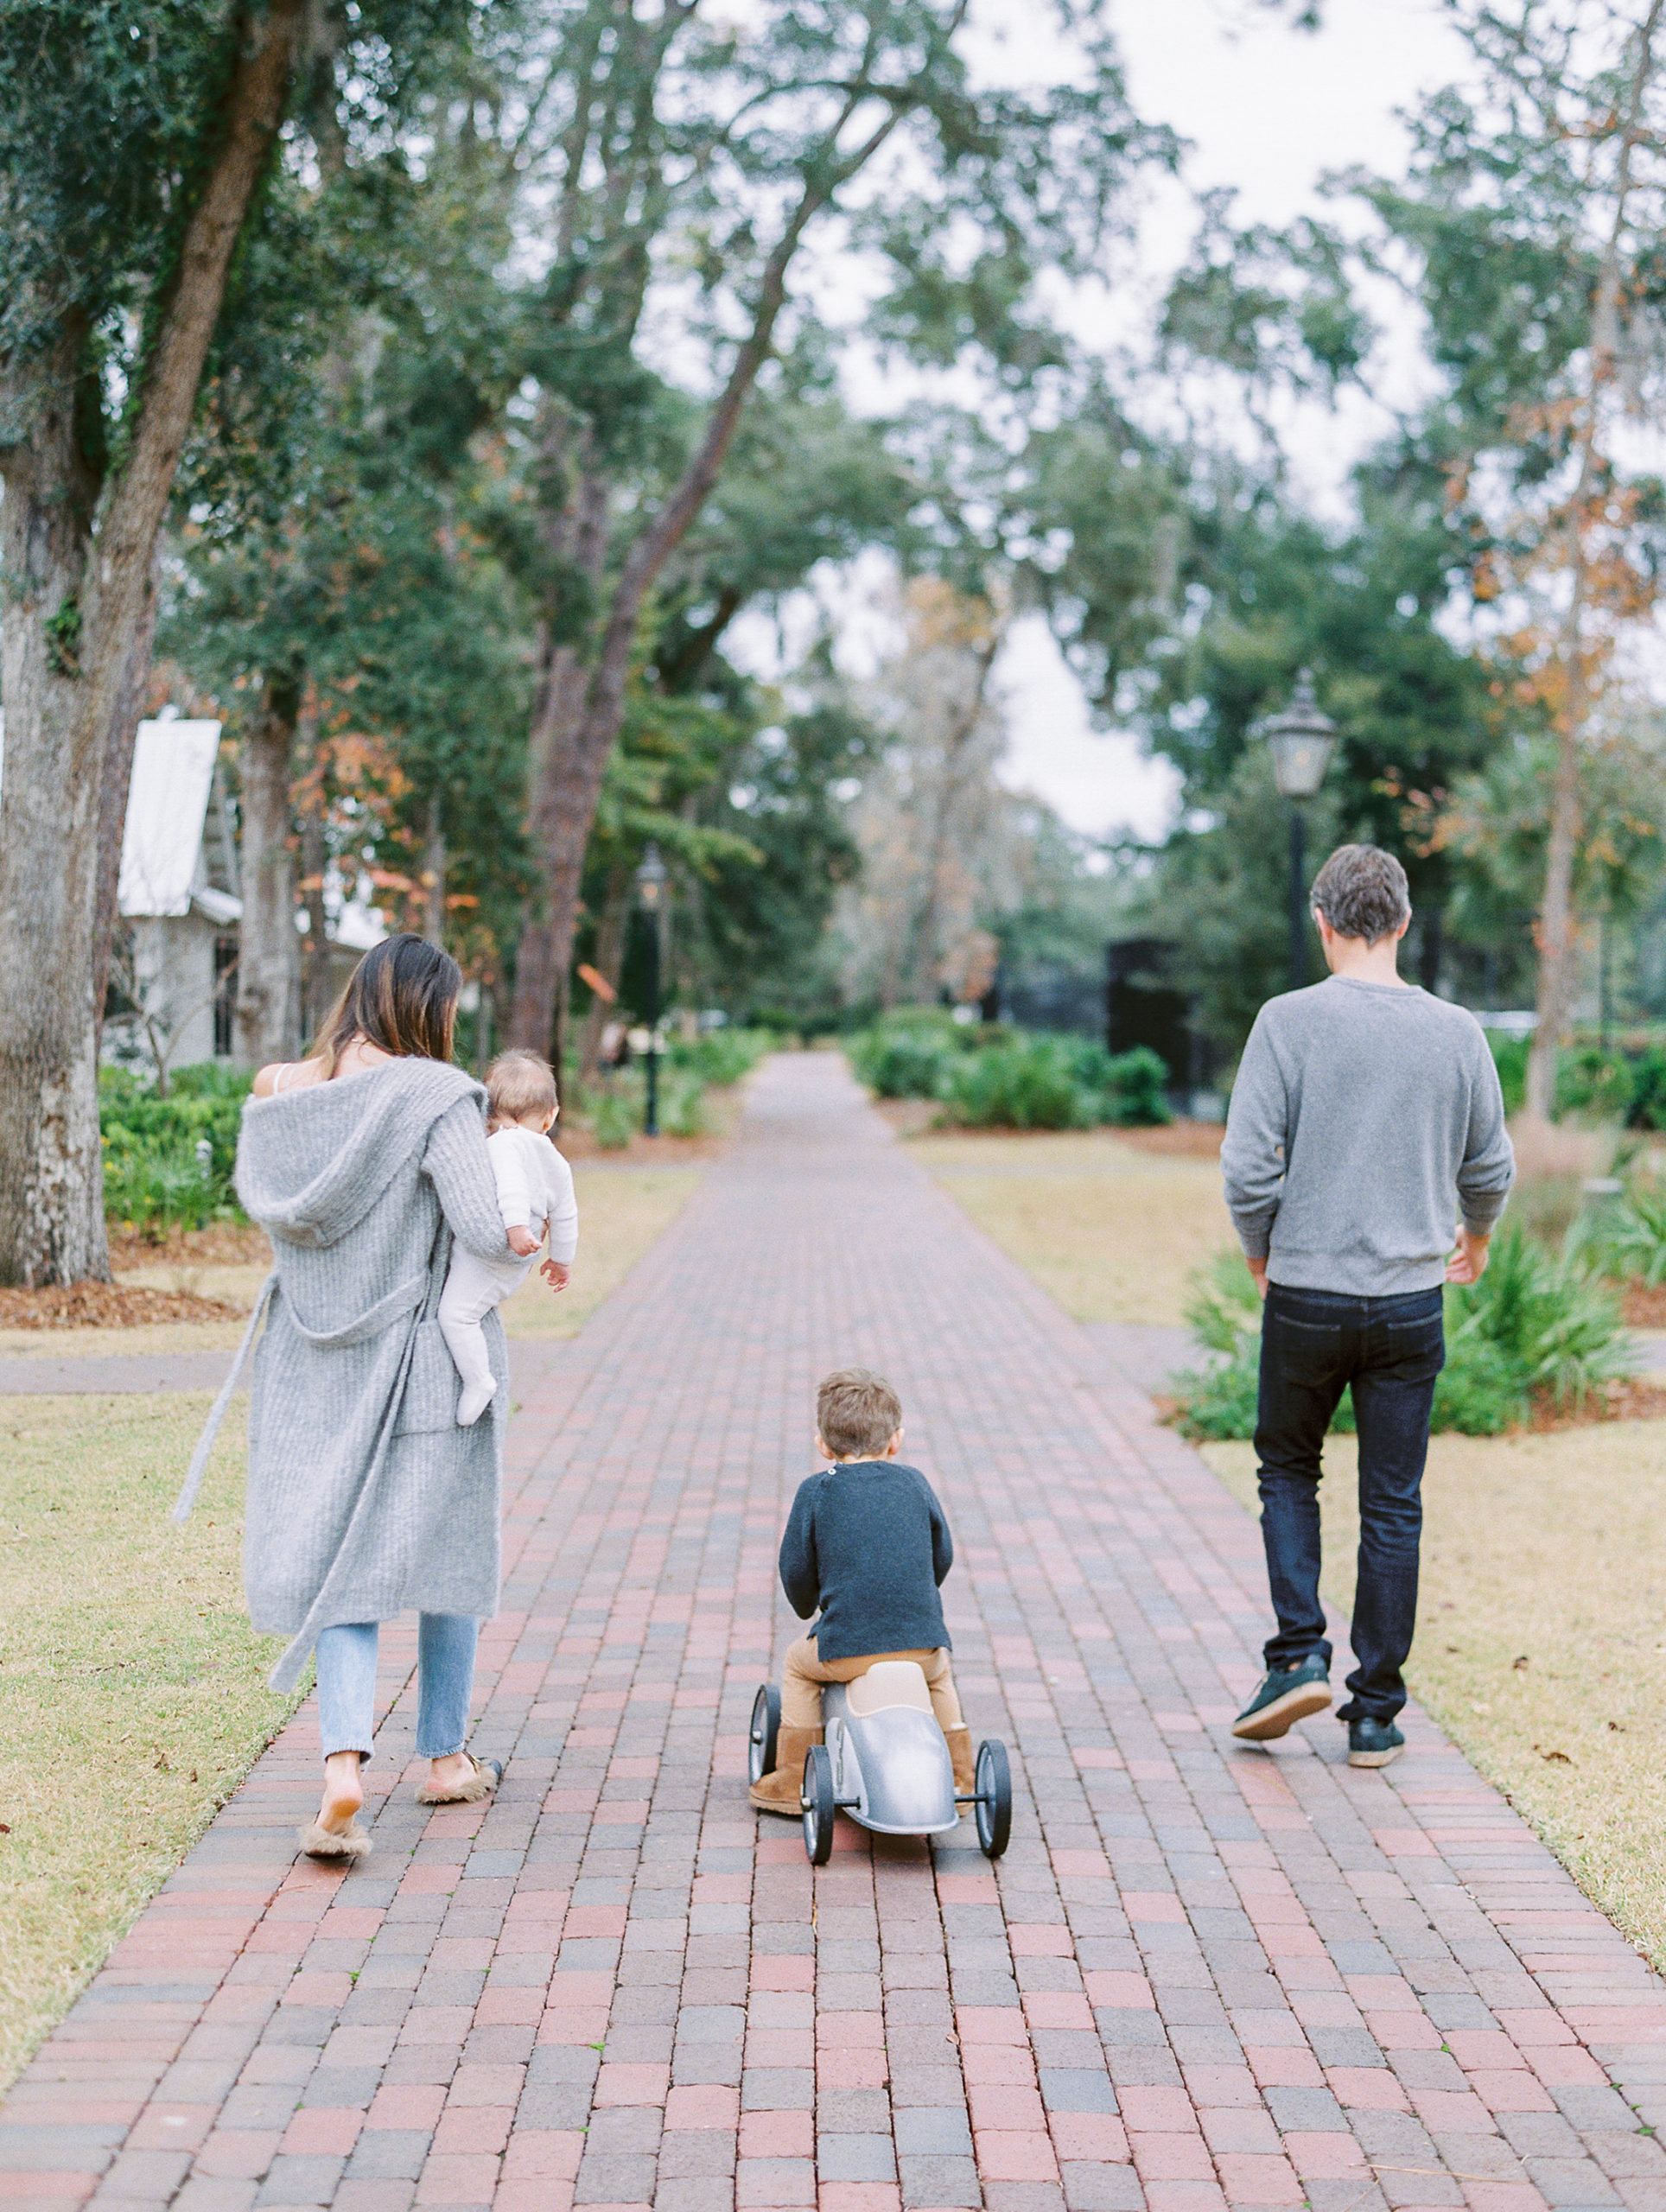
(857, 1413)
(518, 1082)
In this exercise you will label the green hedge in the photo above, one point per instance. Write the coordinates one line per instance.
(153, 1177)
(1537, 1324)
(1624, 1086)
(995, 1077)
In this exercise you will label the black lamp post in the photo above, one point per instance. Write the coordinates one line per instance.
(1300, 740)
(651, 895)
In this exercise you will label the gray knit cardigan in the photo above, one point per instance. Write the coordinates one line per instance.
(365, 1497)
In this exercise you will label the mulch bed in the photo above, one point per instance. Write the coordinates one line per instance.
(227, 1244)
(1191, 1139)
(107, 1305)
(1642, 1308)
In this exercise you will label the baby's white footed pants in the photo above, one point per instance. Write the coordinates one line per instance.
(472, 1287)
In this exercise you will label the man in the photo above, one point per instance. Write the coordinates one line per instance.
(1365, 1119)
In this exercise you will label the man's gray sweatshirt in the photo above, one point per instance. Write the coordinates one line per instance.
(1364, 1119)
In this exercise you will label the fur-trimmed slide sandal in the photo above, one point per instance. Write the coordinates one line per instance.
(336, 1846)
(487, 1773)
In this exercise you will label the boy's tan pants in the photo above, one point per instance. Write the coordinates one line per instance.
(802, 1674)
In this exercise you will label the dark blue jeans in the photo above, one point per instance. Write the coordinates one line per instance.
(1313, 1344)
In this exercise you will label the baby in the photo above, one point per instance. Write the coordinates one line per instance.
(534, 1188)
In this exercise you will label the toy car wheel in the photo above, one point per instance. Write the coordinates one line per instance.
(994, 1807)
(766, 1727)
(817, 1799)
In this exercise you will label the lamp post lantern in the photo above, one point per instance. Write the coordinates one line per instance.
(1300, 740)
(650, 896)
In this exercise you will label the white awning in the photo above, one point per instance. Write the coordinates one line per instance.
(167, 805)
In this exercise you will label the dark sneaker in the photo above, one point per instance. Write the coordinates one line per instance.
(1288, 1694)
(1373, 1742)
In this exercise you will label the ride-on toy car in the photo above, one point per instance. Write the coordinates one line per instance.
(885, 1763)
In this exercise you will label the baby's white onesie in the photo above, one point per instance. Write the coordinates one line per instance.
(535, 1189)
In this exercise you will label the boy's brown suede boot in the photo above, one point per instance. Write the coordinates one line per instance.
(960, 1750)
(780, 1790)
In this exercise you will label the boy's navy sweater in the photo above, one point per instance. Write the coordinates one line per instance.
(868, 1542)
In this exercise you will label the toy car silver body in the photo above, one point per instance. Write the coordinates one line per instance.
(885, 1762)
(892, 1770)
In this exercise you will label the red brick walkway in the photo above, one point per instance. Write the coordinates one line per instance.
(1201, 1976)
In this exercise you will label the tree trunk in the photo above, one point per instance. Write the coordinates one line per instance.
(434, 859)
(612, 927)
(1431, 945)
(52, 1187)
(269, 960)
(315, 855)
(112, 803)
(70, 634)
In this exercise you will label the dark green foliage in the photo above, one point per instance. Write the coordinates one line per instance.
(1509, 1058)
(1626, 1240)
(721, 1057)
(1547, 1315)
(1590, 1081)
(1028, 1084)
(1536, 1326)
(1647, 1108)
(152, 1174)
(906, 1058)
(994, 1078)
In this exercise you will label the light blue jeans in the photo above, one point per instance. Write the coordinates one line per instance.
(445, 1672)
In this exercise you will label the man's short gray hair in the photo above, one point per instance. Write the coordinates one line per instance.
(1362, 891)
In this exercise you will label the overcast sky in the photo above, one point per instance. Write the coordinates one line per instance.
(1268, 110)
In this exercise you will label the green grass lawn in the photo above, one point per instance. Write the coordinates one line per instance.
(132, 1690)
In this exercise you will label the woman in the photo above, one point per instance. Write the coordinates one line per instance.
(362, 1162)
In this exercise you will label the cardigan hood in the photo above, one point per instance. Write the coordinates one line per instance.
(311, 1163)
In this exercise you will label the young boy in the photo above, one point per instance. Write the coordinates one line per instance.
(866, 1542)
(534, 1187)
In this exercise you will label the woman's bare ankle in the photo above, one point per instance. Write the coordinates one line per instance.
(344, 1789)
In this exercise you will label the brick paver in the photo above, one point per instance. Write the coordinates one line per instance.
(1203, 1976)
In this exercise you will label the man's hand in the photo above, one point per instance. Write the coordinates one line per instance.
(1257, 1274)
(521, 1243)
(1468, 1263)
(557, 1272)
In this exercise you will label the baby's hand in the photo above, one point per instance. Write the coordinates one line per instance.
(555, 1272)
(522, 1243)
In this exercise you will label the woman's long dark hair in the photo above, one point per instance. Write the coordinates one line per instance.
(401, 997)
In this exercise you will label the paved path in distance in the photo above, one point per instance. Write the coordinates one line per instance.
(1203, 1976)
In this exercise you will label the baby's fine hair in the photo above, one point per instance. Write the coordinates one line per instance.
(856, 1411)
(519, 1083)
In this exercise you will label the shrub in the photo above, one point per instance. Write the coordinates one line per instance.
(1029, 1084)
(615, 1120)
(1627, 1240)
(1648, 1107)
(1218, 1401)
(683, 1111)
(721, 1057)
(1589, 1081)
(153, 1177)
(1535, 1322)
(911, 1061)
(1129, 1087)
(1509, 1058)
(1549, 1315)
